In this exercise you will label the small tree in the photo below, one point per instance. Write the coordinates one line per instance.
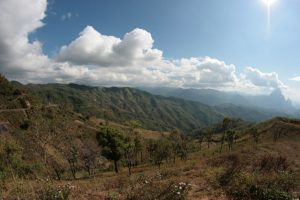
(57, 167)
(230, 137)
(227, 123)
(72, 158)
(159, 151)
(209, 137)
(88, 156)
(112, 143)
(129, 153)
(133, 125)
(255, 134)
(277, 132)
(138, 149)
(175, 140)
(201, 140)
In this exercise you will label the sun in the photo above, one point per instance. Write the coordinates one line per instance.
(269, 2)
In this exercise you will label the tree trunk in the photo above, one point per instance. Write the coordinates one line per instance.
(129, 169)
(57, 174)
(116, 166)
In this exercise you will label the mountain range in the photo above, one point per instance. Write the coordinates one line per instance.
(274, 101)
(155, 112)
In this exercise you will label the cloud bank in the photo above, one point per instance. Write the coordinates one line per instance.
(97, 59)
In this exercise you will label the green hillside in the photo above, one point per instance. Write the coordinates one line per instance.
(154, 112)
(123, 104)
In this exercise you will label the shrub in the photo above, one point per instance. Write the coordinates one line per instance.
(269, 193)
(148, 189)
(25, 125)
(51, 192)
(242, 185)
(275, 163)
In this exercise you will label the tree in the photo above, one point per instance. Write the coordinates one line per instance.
(227, 123)
(209, 137)
(201, 140)
(230, 137)
(200, 135)
(277, 132)
(138, 148)
(112, 143)
(133, 124)
(175, 140)
(255, 134)
(159, 151)
(72, 158)
(57, 167)
(88, 156)
(129, 153)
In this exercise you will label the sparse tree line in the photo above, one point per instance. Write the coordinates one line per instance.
(61, 151)
(131, 150)
(71, 157)
(229, 135)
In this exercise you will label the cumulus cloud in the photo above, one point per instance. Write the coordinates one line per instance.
(17, 20)
(93, 48)
(261, 79)
(132, 60)
(97, 59)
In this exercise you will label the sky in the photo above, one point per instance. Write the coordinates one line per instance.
(225, 45)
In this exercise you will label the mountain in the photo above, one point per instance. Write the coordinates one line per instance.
(153, 111)
(274, 101)
(123, 104)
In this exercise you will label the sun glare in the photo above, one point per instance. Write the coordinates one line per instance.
(269, 2)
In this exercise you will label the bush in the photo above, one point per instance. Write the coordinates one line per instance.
(271, 193)
(242, 185)
(51, 192)
(155, 188)
(275, 163)
(25, 125)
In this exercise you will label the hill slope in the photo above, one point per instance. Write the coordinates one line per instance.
(122, 104)
(155, 112)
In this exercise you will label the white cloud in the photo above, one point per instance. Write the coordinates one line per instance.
(94, 58)
(261, 79)
(93, 48)
(17, 20)
(296, 78)
(132, 60)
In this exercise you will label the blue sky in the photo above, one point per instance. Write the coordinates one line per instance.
(195, 43)
(234, 31)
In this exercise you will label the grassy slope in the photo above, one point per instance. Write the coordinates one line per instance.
(200, 170)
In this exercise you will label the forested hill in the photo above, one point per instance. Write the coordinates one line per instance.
(123, 104)
(154, 112)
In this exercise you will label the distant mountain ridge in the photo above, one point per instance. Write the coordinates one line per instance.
(275, 101)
